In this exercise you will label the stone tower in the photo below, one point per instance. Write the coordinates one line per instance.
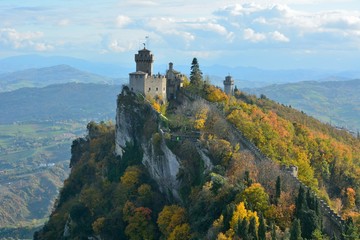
(229, 85)
(144, 61)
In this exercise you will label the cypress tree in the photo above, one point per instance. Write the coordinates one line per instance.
(278, 190)
(351, 231)
(243, 229)
(295, 232)
(300, 204)
(252, 229)
(273, 231)
(262, 228)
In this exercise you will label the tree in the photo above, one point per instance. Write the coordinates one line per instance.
(273, 232)
(139, 221)
(253, 229)
(256, 197)
(243, 229)
(300, 202)
(262, 228)
(351, 231)
(181, 232)
(295, 232)
(278, 190)
(170, 218)
(196, 74)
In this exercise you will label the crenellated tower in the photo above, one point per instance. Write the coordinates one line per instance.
(144, 61)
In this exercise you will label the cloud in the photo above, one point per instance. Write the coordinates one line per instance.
(122, 21)
(23, 40)
(279, 23)
(252, 36)
(279, 37)
(63, 22)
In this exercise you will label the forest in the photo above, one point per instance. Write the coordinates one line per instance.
(233, 196)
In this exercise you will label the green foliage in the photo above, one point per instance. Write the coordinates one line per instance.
(196, 74)
(255, 197)
(295, 232)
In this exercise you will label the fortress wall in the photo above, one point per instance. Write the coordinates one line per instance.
(155, 85)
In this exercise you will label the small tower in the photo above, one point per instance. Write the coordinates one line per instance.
(229, 85)
(144, 60)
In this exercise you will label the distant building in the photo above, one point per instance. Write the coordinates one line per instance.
(175, 81)
(149, 84)
(229, 85)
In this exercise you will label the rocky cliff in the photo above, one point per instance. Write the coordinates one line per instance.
(138, 125)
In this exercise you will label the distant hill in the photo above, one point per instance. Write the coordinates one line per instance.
(244, 76)
(40, 77)
(23, 62)
(335, 102)
(59, 102)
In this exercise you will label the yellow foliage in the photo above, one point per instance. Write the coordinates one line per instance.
(156, 106)
(222, 236)
(98, 224)
(240, 213)
(130, 177)
(200, 119)
(171, 217)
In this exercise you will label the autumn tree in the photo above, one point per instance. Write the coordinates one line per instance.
(172, 223)
(140, 225)
(256, 197)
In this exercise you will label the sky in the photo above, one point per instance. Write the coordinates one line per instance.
(268, 34)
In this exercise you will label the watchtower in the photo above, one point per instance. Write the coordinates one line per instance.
(229, 85)
(144, 61)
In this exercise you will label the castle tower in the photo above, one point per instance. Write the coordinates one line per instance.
(144, 60)
(229, 85)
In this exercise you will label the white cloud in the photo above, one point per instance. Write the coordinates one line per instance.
(122, 21)
(23, 40)
(63, 22)
(279, 37)
(252, 36)
(42, 47)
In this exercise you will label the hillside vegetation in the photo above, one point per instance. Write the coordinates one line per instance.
(231, 196)
(335, 102)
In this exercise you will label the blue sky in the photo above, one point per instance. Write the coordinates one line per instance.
(268, 34)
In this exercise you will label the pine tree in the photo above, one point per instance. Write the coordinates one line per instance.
(295, 232)
(262, 228)
(196, 74)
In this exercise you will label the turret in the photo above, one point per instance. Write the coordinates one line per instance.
(229, 85)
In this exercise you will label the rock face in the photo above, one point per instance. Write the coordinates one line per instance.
(137, 124)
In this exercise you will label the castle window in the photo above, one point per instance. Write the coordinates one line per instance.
(157, 89)
(163, 89)
(149, 89)
(132, 89)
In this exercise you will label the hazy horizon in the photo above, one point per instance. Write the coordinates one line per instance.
(291, 35)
